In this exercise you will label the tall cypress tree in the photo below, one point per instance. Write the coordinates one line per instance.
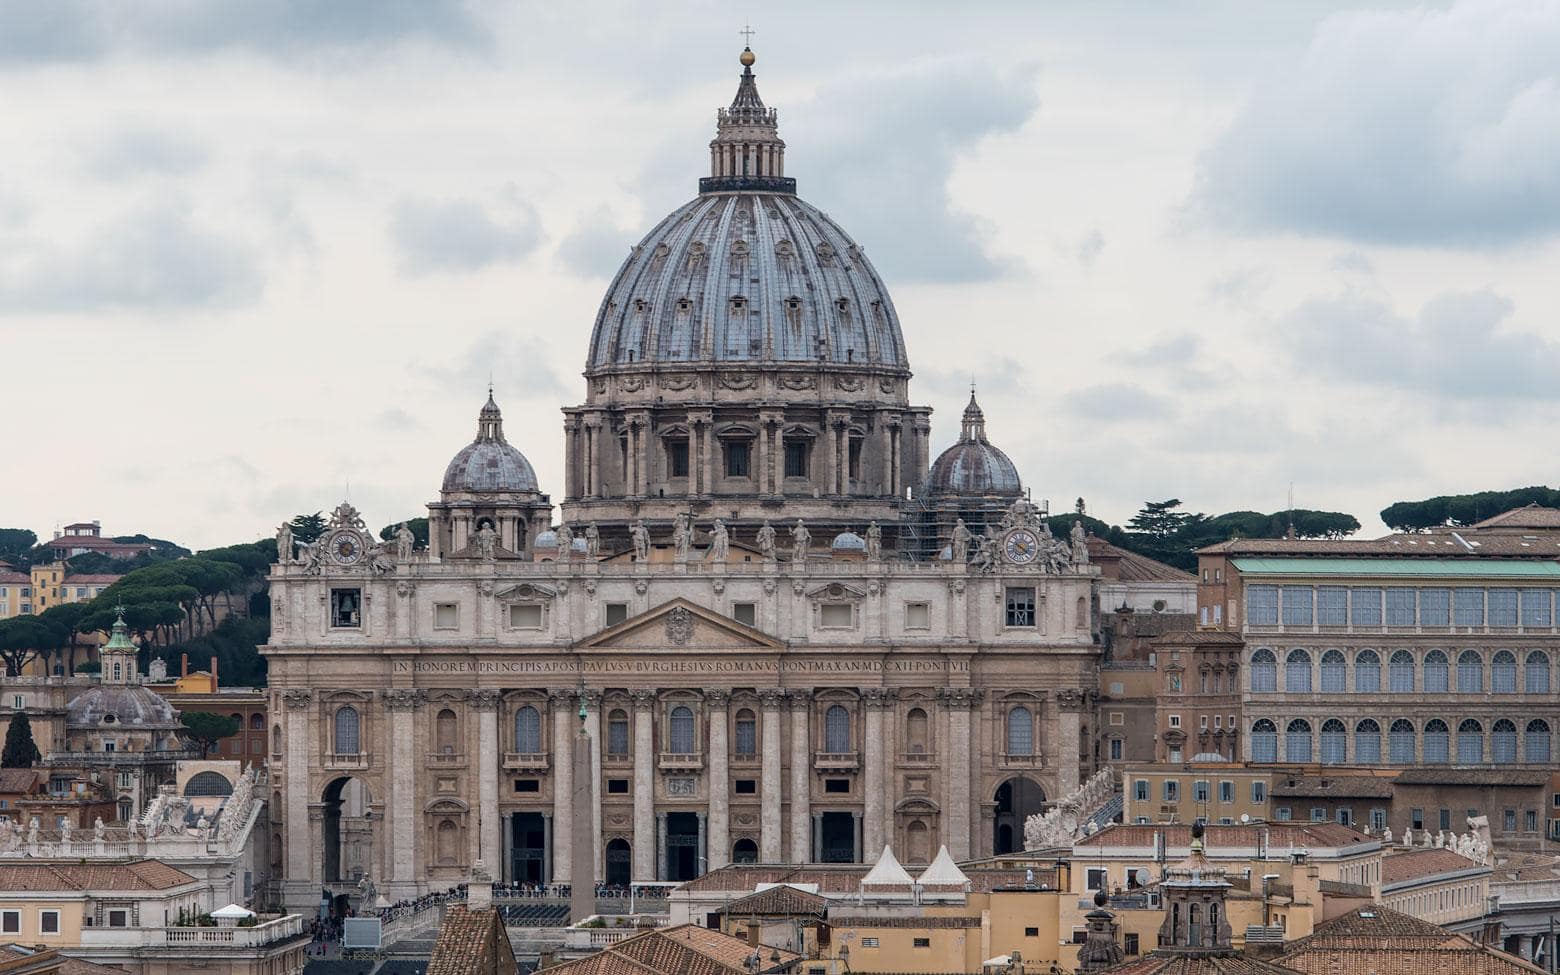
(20, 749)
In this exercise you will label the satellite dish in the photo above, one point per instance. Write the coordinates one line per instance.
(1245, 817)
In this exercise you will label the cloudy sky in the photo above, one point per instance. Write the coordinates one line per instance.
(256, 255)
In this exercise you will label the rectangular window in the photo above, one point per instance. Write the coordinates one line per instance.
(836, 615)
(525, 617)
(796, 458)
(617, 787)
(617, 734)
(1175, 721)
(836, 786)
(1115, 749)
(1096, 879)
(11, 922)
(1332, 606)
(1535, 607)
(118, 919)
(1318, 814)
(746, 787)
(1400, 606)
(1258, 792)
(1344, 817)
(1530, 820)
(918, 616)
(1131, 943)
(1378, 820)
(1031, 932)
(1416, 818)
(1435, 607)
(1502, 607)
(745, 613)
(1020, 607)
(869, 942)
(346, 607)
(1200, 790)
(1282, 814)
(1468, 607)
(616, 613)
(1508, 820)
(48, 922)
(1226, 791)
(528, 785)
(736, 458)
(1172, 791)
(922, 942)
(1446, 819)
(854, 468)
(446, 616)
(677, 458)
(1262, 605)
(1117, 718)
(1140, 791)
(1297, 605)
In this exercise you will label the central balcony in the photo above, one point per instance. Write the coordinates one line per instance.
(681, 761)
(836, 761)
(526, 761)
(347, 762)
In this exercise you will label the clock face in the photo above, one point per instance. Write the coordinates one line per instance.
(344, 548)
(1021, 546)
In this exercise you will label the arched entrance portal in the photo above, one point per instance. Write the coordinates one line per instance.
(1017, 799)
(348, 840)
(620, 862)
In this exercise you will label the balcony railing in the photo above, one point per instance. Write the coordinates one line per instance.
(264, 933)
(346, 762)
(148, 757)
(447, 759)
(682, 761)
(918, 758)
(526, 761)
(836, 761)
(1025, 760)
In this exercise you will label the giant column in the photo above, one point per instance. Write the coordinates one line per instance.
(958, 769)
(563, 785)
(719, 835)
(485, 703)
(801, 776)
(877, 700)
(769, 851)
(1069, 716)
(302, 867)
(402, 705)
(644, 787)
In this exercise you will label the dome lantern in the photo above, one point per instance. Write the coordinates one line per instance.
(747, 152)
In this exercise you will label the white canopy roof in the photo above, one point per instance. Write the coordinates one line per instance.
(943, 871)
(887, 872)
(233, 911)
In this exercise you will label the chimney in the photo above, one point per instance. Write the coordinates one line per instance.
(213, 673)
(184, 665)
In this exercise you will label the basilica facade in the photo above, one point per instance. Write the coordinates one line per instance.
(788, 633)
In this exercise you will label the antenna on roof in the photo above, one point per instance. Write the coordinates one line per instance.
(1291, 532)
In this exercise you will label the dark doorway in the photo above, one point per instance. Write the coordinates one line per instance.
(1017, 799)
(682, 846)
(348, 836)
(744, 851)
(528, 848)
(620, 863)
(837, 837)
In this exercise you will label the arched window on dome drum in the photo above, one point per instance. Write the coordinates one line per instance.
(1367, 672)
(747, 734)
(682, 735)
(917, 741)
(1470, 742)
(836, 729)
(1503, 742)
(528, 731)
(1503, 673)
(1264, 741)
(1297, 672)
(1437, 742)
(1535, 742)
(1436, 673)
(617, 733)
(1264, 672)
(1335, 742)
(1401, 742)
(1535, 676)
(346, 731)
(444, 732)
(1297, 741)
(1335, 672)
(1401, 672)
(1020, 732)
(1470, 673)
(1367, 742)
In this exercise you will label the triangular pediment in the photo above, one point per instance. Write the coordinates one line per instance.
(680, 625)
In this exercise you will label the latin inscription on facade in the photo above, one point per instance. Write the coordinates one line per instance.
(681, 666)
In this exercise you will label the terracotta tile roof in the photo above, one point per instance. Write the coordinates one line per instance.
(1528, 516)
(1313, 835)
(1335, 786)
(76, 966)
(472, 942)
(140, 875)
(1431, 775)
(781, 901)
(1469, 960)
(1131, 567)
(1232, 964)
(17, 781)
(1415, 864)
(1375, 925)
(686, 949)
(91, 579)
(1200, 638)
(15, 579)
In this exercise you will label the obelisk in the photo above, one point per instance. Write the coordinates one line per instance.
(582, 869)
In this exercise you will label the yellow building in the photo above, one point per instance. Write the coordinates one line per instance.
(54, 585)
(15, 593)
(1217, 792)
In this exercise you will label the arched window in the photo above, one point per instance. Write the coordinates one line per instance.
(1503, 673)
(346, 730)
(1435, 672)
(1297, 672)
(744, 851)
(1335, 742)
(1020, 732)
(1400, 742)
(1335, 672)
(1535, 742)
(1367, 672)
(444, 732)
(444, 843)
(1297, 741)
(1535, 677)
(208, 784)
(917, 741)
(836, 729)
(1264, 741)
(747, 734)
(917, 843)
(1437, 742)
(1401, 672)
(617, 733)
(1470, 742)
(682, 731)
(528, 731)
(1503, 743)
(1367, 742)
(1470, 673)
(257, 722)
(1264, 672)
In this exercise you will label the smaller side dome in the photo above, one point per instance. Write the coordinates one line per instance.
(848, 542)
(489, 465)
(974, 467)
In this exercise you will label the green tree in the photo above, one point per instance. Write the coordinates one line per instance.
(206, 729)
(1460, 510)
(1159, 520)
(68, 616)
(24, 637)
(20, 749)
(307, 528)
(15, 543)
(419, 527)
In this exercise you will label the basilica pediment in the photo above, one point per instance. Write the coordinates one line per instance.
(679, 625)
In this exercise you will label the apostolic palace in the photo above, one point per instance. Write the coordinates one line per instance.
(788, 632)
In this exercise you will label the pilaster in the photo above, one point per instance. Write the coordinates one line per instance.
(644, 786)
(770, 700)
(801, 775)
(718, 848)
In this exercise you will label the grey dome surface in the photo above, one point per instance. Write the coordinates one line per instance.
(489, 465)
(973, 466)
(849, 541)
(133, 706)
(749, 278)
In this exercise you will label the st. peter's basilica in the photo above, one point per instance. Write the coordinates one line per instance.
(788, 632)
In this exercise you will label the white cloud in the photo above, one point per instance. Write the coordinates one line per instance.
(460, 234)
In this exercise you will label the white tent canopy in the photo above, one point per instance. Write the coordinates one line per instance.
(887, 872)
(943, 871)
